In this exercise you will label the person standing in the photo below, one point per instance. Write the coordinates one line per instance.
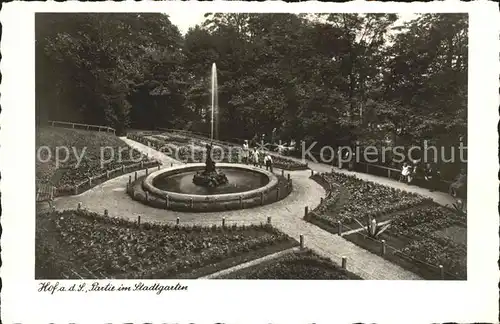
(246, 152)
(256, 157)
(430, 176)
(268, 161)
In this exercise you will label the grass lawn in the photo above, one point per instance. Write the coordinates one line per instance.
(90, 143)
(305, 265)
(80, 244)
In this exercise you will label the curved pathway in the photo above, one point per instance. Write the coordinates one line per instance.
(287, 216)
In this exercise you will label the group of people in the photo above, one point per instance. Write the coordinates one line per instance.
(253, 156)
(412, 171)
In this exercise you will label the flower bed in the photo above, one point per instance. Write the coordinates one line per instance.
(304, 265)
(74, 244)
(193, 150)
(351, 198)
(88, 145)
(415, 241)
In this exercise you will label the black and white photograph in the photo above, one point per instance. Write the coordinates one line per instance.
(251, 146)
(266, 146)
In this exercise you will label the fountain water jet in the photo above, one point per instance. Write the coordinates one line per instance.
(210, 177)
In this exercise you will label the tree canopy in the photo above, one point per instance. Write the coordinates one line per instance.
(322, 77)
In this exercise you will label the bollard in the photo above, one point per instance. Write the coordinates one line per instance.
(269, 219)
(223, 221)
(312, 172)
(147, 171)
(76, 190)
(167, 202)
(278, 193)
(139, 220)
(301, 241)
(172, 164)
(123, 168)
(90, 181)
(142, 164)
(158, 166)
(344, 262)
(441, 272)
(289, 177)
(105, 212)
(241, 202)
(306, 211)
(147, 196)
(282, 172)
(79, 206)
(191, 201)
(129, 179)
(383, 247)
(262, 198)
(177, 221)
(339, 227)
(107, 174)
(135, 176)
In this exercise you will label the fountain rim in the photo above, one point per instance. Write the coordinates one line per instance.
(148, 182)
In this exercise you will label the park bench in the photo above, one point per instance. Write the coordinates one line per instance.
(45, 193)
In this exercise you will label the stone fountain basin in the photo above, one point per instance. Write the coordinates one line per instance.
(148, 184)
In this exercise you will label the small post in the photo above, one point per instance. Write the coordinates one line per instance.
(301, 241)
(262, 198)
(223, 221)
(383, 247)
(171, 164)
(142, 164)
(306, 211)
(135, 176)
(269, 219)
(129, 179)
(147, 196)
(312, 172)
(90, 181)
(289, 177)
(339, 227)
(167, 202)
(344, 262)
(107, 174)
(278, 193)
(282, 172)
(367, 165)
(79, 206)
(105, 212)
(158, 166)
(241, 202)
(76, 190)
(388, 173)
(441, 271)
(139, 220)
(191, 202)
(123, 168)
(177, 221)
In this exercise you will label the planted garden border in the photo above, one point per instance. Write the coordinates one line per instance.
(284, 267)
(332, 204)
(392, 242)
(287, 164)
(55, 260)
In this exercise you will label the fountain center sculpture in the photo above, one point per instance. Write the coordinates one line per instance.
(209, 177)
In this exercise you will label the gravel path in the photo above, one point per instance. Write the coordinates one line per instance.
(286, 215)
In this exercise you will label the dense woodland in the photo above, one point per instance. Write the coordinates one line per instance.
(323, 77)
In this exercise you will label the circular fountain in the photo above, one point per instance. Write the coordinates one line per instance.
(201, 187)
